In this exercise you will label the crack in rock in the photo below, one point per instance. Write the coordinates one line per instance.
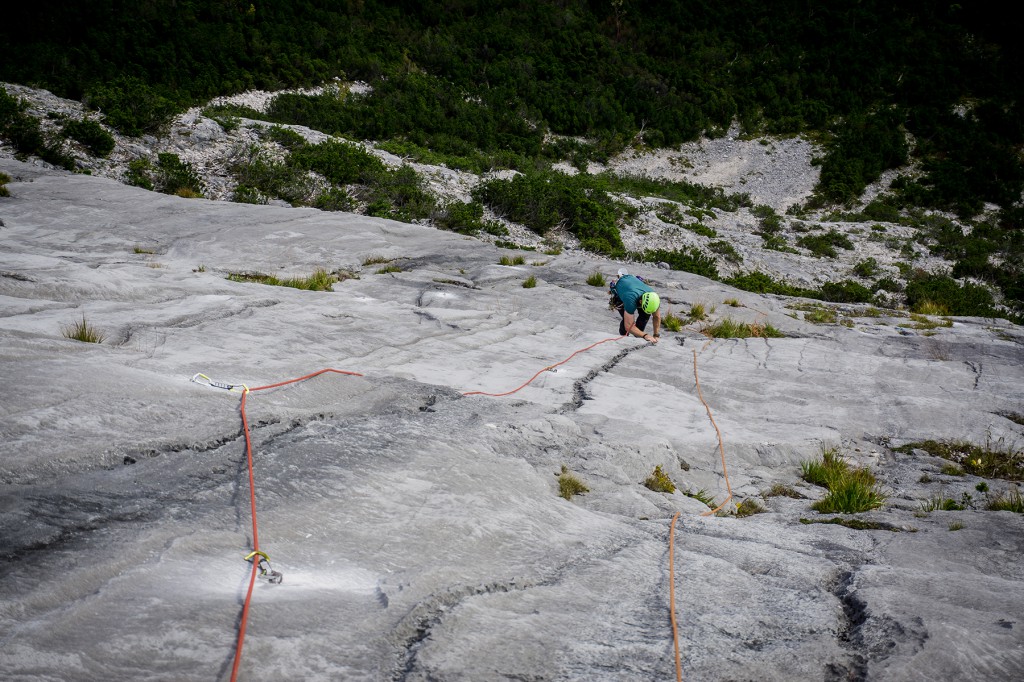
(416, 627)
(579, 388)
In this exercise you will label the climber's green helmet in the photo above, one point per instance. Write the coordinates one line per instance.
(649, 302)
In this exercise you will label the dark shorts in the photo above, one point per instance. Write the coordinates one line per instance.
(640, 319)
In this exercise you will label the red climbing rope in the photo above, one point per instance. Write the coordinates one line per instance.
(252, 502)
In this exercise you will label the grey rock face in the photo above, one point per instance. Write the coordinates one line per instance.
(420, 532)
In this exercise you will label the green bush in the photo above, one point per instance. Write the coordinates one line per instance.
(91, 134)
(595, 279)
(461, 217)
(959, 299)
(4, 179)
(688, 260)
(131, 105)
(174, 176)
(824, 245)
(866, 268)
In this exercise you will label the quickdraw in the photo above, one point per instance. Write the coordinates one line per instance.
(204, 380)
(264, 567)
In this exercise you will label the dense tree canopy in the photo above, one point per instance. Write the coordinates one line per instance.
(496, 74)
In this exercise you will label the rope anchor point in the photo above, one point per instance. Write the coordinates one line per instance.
(263, 564)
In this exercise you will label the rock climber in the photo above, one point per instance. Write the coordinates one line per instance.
(636, 303)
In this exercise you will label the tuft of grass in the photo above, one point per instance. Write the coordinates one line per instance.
(940, 503)
(376, 260)
(729, 328)
(511, 260)
(530, 282)
(956, 525)
(320, 280)
(781, 490)
(951, 470)
(929, 307)
(749, 507)
(82, 331)
(141, 250)
(1011, 501)
(569, 485)
(851, 495)
(732, 302)
(201, 268)
(698, 311)
(671, 322)
(820, 315)
(993, 460)
(701, 495)
(659, 481)
(849, 490)
(389, 268)
(596, 279)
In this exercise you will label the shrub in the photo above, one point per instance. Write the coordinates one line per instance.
(965, 299)
(174, 176)
(659, 481)
(569, 485)
(130, 105)
(596, 279)
(866, 268)
(726, 250)
(82, 331)
(4, 179)
(687, 260)
(461, 217)
(91, 134)
(823, 245)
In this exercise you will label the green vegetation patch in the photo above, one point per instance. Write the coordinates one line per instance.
(824, 245)
(83, 331)
(1010, 501)
(569, 485)
(320, 280)
(855, 524)
(729, 328)
(659, 481)
(993, 460)
(849, 490)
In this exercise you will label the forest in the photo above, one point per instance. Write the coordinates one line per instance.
(879, 85)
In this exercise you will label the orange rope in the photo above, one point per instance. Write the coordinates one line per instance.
(581, 350)
(252, 502)
(672, 526)
(721, 446)
(672, 594)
